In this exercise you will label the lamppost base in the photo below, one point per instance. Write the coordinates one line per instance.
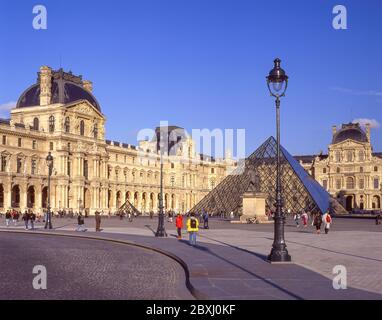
(279, 256)
(161, 234)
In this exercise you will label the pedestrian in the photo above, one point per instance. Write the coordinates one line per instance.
(205, 220)
(81, 223)
(26, 219)
(151, 214)
(377, 219)
(130, 216)
(32, 218)
(296, 219)
(305, 218)
(179, 225)
(98, 221)
(231, 215)
(15, 217)
(170, 216)
(8, 217)
(317, 222)
(192, 228)
(328, 221)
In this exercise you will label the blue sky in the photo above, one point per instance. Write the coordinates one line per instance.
(202, 63)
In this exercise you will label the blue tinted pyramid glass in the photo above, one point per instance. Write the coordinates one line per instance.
(257, 173)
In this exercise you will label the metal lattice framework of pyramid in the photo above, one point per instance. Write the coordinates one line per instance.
(128, 207)
(257, 173)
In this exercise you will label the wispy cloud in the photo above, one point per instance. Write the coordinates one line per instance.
(363, 121)
(370, 93)
(6, 107)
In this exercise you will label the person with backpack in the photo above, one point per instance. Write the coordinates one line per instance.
(8, 217)
(205, 220)
(192, 228)
(32, 218)
(26, 219)
(327, 221)
(81, 223)
(317, 222)
(296, 219)
(179, 225)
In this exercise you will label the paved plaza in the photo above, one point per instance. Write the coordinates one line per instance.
(228, 262)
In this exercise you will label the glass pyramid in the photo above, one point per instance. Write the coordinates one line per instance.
(258, 173)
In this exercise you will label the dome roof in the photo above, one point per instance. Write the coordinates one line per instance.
(66, 88)
(350, 131)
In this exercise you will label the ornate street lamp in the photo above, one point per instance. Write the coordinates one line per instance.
(277, 82)
(161, 232)
(49, 163)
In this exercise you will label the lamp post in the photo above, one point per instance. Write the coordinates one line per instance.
(161, 232)
(277, 82)
(49, 163)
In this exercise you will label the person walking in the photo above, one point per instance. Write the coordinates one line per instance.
(26, 219)
(80, 223)
(305, 219)
(192, 228)
(377, 219)
(32, 218)
(98, 221)
(317, 222)
(205, 220)
(328, 221)
(296, 219)
(151, 214)
(8, 217)
(179, 225)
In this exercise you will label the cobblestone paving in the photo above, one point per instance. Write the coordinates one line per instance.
(229, 262)
(86, 269)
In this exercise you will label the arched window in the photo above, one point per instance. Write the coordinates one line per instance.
(361, 156)
(82, 128)
(51, 124)
(36, 124)
(349, 183)
(67, 124)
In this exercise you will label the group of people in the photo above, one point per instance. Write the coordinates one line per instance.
(13, 216)
(317, 220)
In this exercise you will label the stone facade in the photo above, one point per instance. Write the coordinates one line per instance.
(351, 171)
(59, 114)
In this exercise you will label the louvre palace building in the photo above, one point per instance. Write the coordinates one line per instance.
(351, 172)
(59, 114)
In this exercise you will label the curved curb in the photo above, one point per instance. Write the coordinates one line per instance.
(194, 292)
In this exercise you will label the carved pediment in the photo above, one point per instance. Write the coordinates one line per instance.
(86, 109)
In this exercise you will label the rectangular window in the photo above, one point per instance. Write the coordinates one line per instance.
(51, 146)
(338, 184)
(325, 184)
(361, 183)
(69, 165)
(376, 183)
(33, 167)
(19, 165)
(86, 169)
(4, 140)
(34, 144)
(3, 163)
(19, 142)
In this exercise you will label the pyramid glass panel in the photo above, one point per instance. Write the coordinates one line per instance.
(258, 173)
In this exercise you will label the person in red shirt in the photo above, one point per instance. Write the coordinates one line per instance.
(179, 225)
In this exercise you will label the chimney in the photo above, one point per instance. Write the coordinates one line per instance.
(88, 85)
(334, 130)
(367, 127)
(45, 85)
